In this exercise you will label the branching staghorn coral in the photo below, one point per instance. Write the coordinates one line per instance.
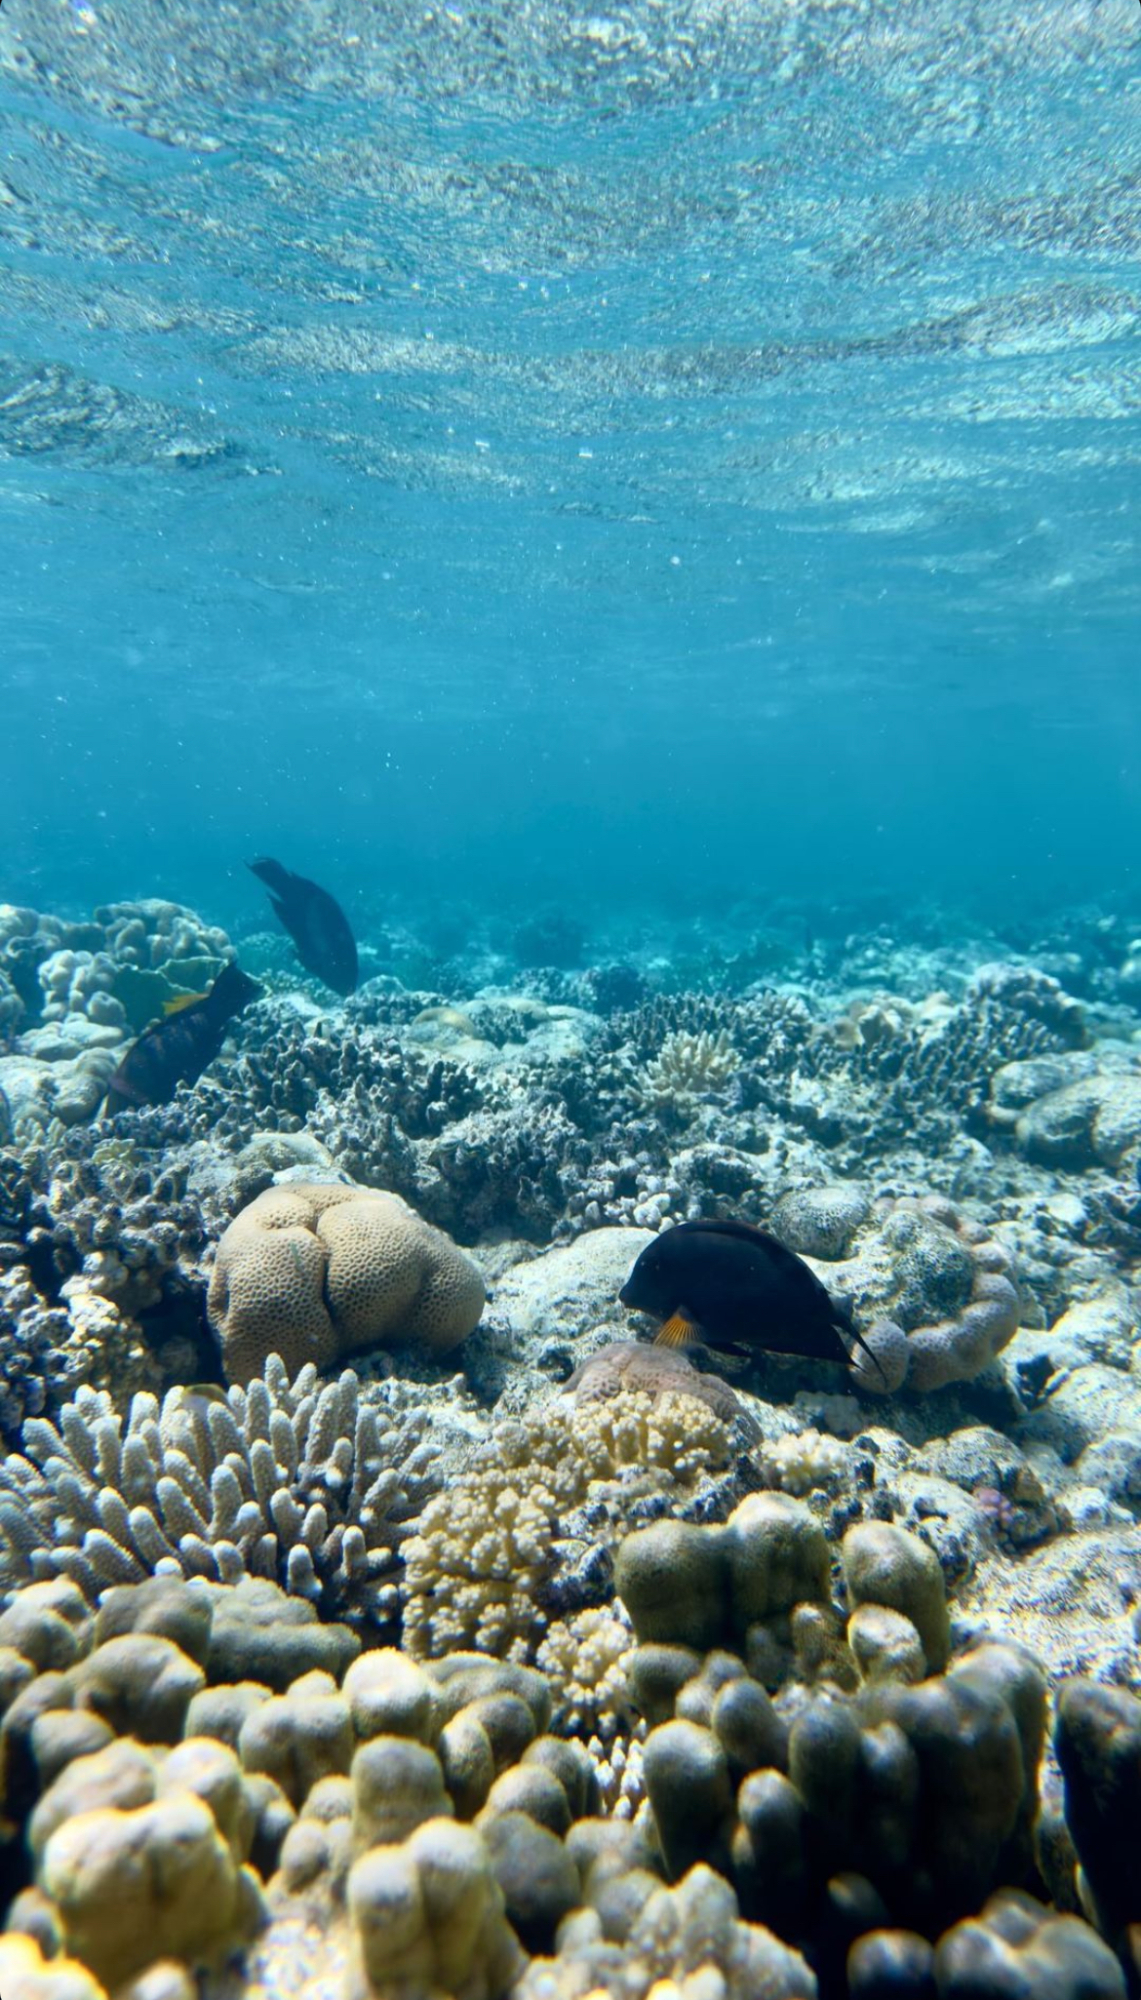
(689, 1066)
(309, 1486)
(485, 1548)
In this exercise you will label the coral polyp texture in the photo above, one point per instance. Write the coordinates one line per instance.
(316, 1273)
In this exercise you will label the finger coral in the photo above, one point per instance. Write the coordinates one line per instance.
(318, 1272)
(1016, 1945)
(307, 1485)
(686, 1941)
(688, 1066)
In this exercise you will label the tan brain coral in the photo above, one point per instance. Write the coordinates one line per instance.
(315, 1273)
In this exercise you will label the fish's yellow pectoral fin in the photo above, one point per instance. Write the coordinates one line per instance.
(677, 1331)
(183, 1001)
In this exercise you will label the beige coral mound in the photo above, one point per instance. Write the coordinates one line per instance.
(315, 1273)
(485, 1548)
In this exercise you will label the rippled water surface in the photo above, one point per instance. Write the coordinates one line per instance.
(658, 450)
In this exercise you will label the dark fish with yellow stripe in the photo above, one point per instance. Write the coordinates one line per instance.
(315, 921)
(732, 1285)
(179, 1047)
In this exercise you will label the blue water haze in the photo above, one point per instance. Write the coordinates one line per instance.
(631, 463)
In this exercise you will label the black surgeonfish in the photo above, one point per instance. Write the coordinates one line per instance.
(316, 923)
(177, 1049)
(734, 1286)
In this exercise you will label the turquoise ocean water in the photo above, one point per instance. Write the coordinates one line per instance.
(626, 459)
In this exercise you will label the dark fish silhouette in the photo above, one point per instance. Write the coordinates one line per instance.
(316, 923)
(178, 1048)
(734, 1286)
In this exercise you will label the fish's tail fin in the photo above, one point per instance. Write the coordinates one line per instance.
(679, 1330)
(846, 1321)
(873, 1357)
(271, 872)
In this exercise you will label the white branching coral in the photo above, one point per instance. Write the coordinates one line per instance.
(307, 1486)
(484, 1548)
(803, 1462)
(587, 1660)
(688, 1066)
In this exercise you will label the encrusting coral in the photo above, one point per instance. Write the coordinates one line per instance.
(318, 1272)
(625, 1367)
(936, 1296)
(309, 1485)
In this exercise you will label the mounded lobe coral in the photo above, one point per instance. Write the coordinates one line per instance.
(155, 1881)
(317, 1272)
(685, 1941)
(1098, 1741)
(11, 1014)
(904, 1794)
(25, 1974)
(1017, 1945)
(425, 1834)
(710, 1586)
(926, 1790)
(152, 933)
(121, 1774)
(83, 972)
(77, 985)
(313, 1486)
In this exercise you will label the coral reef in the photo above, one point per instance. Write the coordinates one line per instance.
(813, 1798)
(319, 1272)
(749, 1704)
